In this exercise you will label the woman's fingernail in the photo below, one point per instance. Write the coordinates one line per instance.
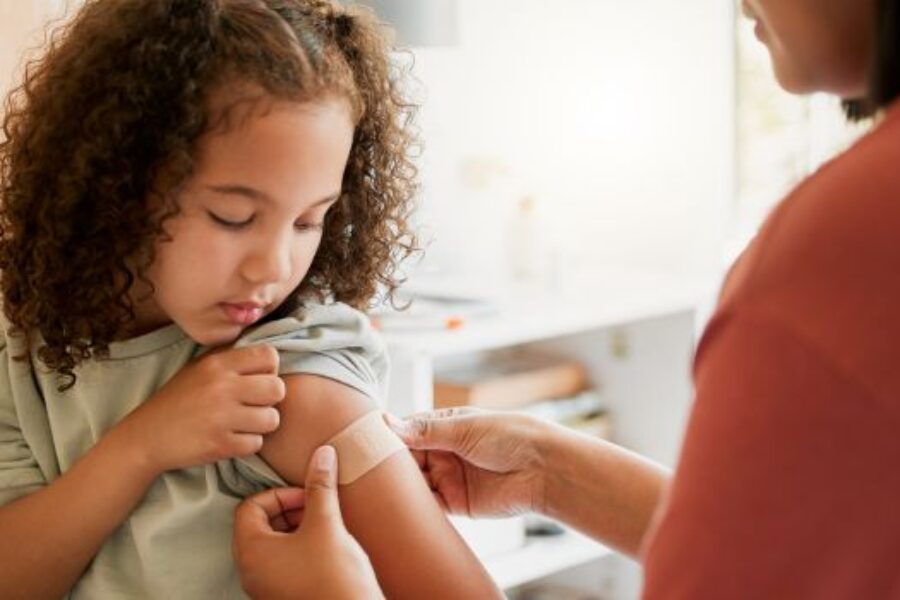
(326, 458)
(394, 423)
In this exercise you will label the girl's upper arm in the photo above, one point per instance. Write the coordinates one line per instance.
(414, 549)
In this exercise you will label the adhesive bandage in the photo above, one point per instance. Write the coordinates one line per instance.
(363, 445)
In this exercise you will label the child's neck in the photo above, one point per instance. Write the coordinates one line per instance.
(148, 317)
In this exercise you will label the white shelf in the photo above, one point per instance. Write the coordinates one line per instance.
(542, 556)
(526, 315)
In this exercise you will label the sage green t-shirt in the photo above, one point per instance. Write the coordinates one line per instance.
(177, 542)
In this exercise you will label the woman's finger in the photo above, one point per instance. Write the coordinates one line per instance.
(440, 430)
(322, 507)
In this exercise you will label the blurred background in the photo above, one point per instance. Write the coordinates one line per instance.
(591, 169)
(646, 134)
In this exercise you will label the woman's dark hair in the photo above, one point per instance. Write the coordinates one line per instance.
(101, 135)
(884, 73)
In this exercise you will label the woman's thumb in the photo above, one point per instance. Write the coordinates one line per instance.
(321, 488)
(428, 431)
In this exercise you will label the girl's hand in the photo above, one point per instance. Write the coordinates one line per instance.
(319, 559)
(478, 463)
(218, 406)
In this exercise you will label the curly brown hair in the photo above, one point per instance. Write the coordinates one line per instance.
(102, 132)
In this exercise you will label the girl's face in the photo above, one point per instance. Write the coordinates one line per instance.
(251, 220)
(817, 45)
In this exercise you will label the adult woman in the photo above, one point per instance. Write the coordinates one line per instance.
(788, 481)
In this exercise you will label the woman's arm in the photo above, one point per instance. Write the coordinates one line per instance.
(488, 464)
(602, 489)
(414, 549)
(48, 538)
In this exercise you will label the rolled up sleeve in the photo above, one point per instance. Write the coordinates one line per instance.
(20, 474)
(332, 341)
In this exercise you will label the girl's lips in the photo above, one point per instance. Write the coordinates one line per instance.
(242, 314)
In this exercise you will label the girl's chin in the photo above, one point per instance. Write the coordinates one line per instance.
(214, 337)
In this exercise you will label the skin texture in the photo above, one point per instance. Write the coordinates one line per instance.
(207, 262)
(491, 464)
(817, 45)
(390, 511)
(267, 534)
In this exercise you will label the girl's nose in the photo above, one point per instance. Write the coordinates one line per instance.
(269, 262)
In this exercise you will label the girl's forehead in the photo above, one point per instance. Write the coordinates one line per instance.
(288, 146)
(229, 107)
(232, 105)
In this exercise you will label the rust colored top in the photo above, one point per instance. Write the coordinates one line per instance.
(788, 485)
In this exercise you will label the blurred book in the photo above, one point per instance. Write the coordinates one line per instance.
(584, 412)
(509, 381)
(597, 425)
(553, 591)
(561, 409)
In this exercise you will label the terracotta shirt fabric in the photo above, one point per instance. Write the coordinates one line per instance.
(176, 543)
(788, 485)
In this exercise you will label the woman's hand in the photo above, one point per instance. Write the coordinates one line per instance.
(319, 559)
(478, 463)
(216, 407)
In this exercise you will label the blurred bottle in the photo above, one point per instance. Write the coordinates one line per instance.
(529, 247)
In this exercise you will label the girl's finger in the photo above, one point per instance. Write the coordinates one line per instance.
(261, 390)
(257, 419)
(245, 444)
(259, 359)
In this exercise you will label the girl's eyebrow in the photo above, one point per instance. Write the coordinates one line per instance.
(260, 196)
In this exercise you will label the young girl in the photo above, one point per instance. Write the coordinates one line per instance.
(174, 172)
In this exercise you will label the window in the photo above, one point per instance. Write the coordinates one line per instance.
(781, 138)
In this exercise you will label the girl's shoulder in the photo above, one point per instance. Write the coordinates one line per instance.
(329, 339)
(330, 324)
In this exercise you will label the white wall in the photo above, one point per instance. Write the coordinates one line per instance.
(22, 24)
(617, 114)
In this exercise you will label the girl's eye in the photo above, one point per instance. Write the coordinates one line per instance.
(229, 224)
(307, 227)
